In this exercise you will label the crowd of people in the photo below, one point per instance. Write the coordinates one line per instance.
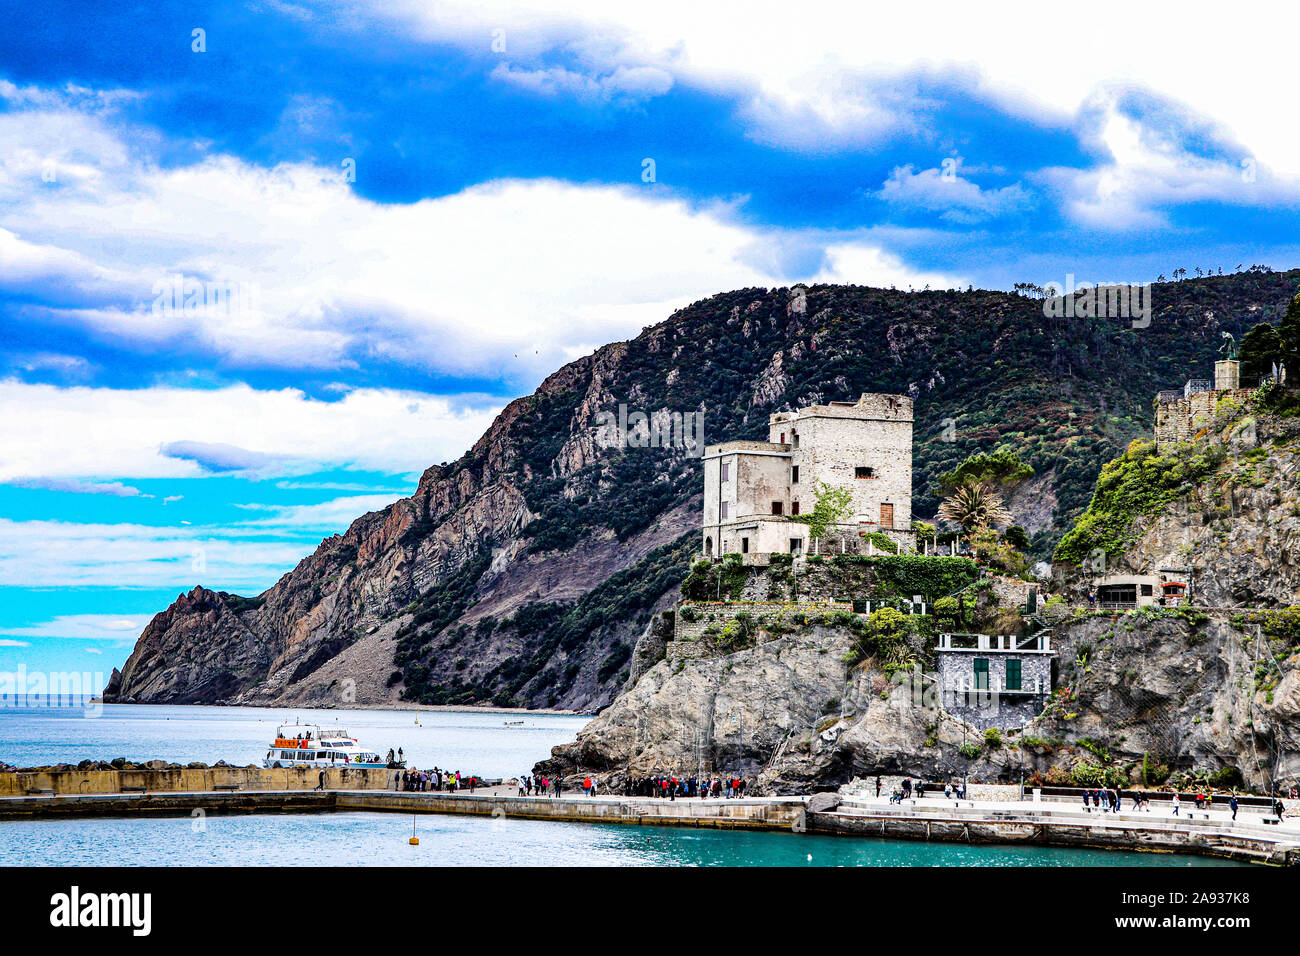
(671, 787)
(540, 786)
(436, 779)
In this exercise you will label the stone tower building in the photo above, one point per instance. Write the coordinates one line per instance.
(752, 489)
(1183, 413)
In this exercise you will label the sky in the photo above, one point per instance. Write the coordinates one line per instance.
(262, 263)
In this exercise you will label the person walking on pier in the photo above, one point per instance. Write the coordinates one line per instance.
(320, 782)
(1175, 801)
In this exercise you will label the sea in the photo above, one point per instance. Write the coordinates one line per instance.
(486, 744)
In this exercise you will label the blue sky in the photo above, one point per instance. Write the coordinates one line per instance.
(262, 263)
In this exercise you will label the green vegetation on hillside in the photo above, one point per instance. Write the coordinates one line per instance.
(1140, 483)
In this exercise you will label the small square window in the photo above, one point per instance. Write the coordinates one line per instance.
(777, 508)
(864, 472)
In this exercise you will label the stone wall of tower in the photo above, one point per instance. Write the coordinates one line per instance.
(1189, 419)
(828, 443)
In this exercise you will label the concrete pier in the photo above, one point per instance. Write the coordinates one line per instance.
(1248, 839)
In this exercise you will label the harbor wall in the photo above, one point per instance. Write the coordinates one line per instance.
(760, 814)
(78, 782)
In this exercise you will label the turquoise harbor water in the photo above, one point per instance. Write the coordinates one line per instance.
(473, 742)
(380, 839)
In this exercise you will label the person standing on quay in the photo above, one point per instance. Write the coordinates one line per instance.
(1175, 813)
(1232, 804)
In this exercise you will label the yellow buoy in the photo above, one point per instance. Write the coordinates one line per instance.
(414, 841)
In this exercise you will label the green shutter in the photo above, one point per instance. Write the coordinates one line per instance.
(981, 673)
(1013, 674)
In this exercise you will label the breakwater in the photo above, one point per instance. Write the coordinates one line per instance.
(71, 782)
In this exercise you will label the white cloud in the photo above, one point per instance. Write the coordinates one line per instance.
(113, 627)
(955, 198)
(7, 643)
(1144, 171)
(832, 70)
(114, 489)
(328, 515)
(506, 278)
(49, 433)
(64, 554)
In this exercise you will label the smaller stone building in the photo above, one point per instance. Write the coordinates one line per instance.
(995, 680)
(1168, 587)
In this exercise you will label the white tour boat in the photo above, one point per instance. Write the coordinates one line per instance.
(310, 745)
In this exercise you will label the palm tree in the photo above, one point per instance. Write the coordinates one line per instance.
(974, 505)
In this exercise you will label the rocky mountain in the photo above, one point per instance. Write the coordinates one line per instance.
(1206, 694)
(523, 572)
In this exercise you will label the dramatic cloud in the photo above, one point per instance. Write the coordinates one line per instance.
(49, 433)
(506, 278)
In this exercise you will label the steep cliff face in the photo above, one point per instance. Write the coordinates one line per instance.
(1141, 699)
(523, 572)
(1209, 693)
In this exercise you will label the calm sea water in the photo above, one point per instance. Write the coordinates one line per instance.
(380, 839)
(473, 742)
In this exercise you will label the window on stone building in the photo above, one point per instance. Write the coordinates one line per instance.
(796, 545)
(726, 471)
(777, 508)
(794, 439)
(794, 507)
(744, 546)
(782, 438)
(1013, 674)
(1146, 590)
(794, 475)
(723, 511)
(981, 673)
(862, 471)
